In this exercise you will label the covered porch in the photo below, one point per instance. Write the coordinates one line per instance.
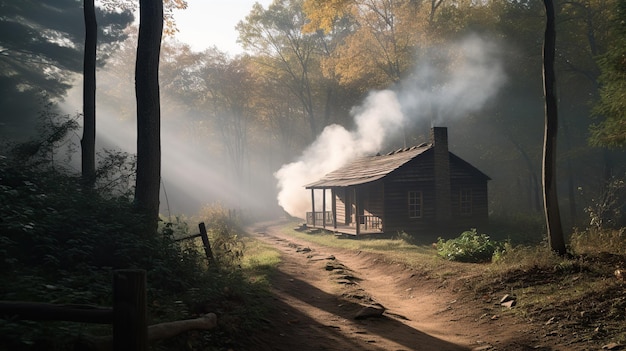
(354, 219)
(368, 224)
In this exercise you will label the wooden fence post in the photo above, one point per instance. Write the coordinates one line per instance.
(130, 326)
(207, 245)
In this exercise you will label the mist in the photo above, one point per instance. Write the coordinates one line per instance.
(195, 168)
(449, 82)
(191, 177)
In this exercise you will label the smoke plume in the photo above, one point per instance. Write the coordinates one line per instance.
(377, 119)
(452, 81)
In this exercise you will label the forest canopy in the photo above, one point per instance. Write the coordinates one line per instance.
(311, 64)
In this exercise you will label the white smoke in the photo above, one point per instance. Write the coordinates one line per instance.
(453, 80)
(450, 84)
(378, 118)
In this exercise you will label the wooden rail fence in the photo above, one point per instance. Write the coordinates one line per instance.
(205, 242)
(128, 314)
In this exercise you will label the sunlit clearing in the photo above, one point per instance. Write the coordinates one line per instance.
(193, 172)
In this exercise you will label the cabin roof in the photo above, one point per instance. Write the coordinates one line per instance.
(370, 168)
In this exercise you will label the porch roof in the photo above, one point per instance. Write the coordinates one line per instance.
(368, 169)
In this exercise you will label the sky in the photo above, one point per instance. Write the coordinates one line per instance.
(206, 23)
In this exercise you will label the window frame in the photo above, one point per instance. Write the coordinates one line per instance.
(415, 208)
(466, 201)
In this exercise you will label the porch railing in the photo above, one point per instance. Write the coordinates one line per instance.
(320, 219)
(370, 222)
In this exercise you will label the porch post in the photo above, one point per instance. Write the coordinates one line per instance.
(313, 205)
(356, 212)
(324, 208)
(333, 205)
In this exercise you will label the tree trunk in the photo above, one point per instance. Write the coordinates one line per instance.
(148, 110)
(88, 142)
(550, 197)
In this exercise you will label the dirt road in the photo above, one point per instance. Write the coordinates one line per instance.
(318, 292)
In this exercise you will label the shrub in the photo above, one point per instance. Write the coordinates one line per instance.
(224, 235)
(468, 247)
(605, 211)
(594, 241)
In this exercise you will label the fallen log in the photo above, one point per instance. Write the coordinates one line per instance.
(169, 329)
(155, 332)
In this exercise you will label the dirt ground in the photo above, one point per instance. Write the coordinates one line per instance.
(318, 291)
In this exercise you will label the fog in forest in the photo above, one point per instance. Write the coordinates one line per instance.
(241, 132)
(192, 175)
(450, 82)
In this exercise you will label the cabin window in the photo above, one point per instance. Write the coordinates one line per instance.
(465, 201)
(415, 204)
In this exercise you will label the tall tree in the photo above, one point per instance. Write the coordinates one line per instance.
(550, 197)
(386, 35)
(275, 36)
(88, 142)
(148, 110)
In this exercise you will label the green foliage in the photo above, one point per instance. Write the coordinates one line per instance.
(41, 64)
(115, 173)
(605, 211)
(54, 131)
(223, 231)
(611, 130)
(468, 247)
(60, 243)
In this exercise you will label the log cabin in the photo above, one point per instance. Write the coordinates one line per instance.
(423, 190)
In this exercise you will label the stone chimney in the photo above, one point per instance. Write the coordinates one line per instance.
(443, 196)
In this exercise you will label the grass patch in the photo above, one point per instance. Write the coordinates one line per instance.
(366, 243)
(578, 293)
(399, 249)
(595, 241)
(259, 260)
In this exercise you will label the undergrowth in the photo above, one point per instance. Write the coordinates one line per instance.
(580, 293)
(60, 243)
(469, 247)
